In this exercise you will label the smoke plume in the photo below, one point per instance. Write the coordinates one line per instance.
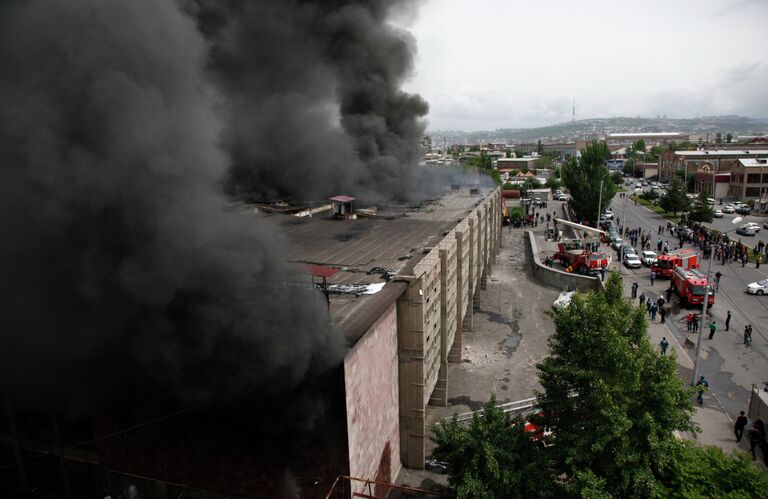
(121, 274)
(312, 98)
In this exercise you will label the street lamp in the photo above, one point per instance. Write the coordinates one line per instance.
(600, 201)
(704, 311)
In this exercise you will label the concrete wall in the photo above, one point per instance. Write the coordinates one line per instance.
(431, 315)
(558, 278)
(371, 385)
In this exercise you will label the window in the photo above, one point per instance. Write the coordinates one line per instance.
(755, 178)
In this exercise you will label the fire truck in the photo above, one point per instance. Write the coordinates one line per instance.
(690, 285)
(665, 264)
(576, 255)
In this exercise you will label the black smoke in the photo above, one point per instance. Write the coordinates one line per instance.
(122, 278)
(312, 99)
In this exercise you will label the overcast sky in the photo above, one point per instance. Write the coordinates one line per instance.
(487, 64)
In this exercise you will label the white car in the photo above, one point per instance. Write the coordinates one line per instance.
(746, 230)
(717, 214)
(632, 261)
(753, 225)
(561, 197)
(710, 200)
(758, 288)
(616, 243)
(729, 208)
(608, 214)
(649, 258)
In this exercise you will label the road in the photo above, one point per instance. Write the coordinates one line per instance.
(730, 367)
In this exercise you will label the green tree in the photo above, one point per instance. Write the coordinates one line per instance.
(530, 183)
(492, 457)
(508, 153)
(516, 213)
(689, 181)
(617, 178)
(629, 169)
(611, 401)
(553, 183)
(639, 146)
(582, 178)
(675, 199)
(728, 138)
(701, 210)
(719, 138)
(474, 148)
(709, 472)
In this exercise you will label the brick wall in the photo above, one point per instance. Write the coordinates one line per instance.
(371, 382)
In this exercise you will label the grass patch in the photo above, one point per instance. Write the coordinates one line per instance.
(656, 208)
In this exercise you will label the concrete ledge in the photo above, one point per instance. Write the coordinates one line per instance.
(558, 278)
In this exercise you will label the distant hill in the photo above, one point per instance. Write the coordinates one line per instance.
(736, 125)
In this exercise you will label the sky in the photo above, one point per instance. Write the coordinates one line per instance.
(488, 64)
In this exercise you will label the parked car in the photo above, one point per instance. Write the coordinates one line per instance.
(649, 258)
(628, 250)
(765, 225)
(758, 288)
(743, 210)
(561, 197)
(717, 214)
(746, 230)
(711, 200)
(632, 261)
(616, 243)
(729, 208)
(608, 214)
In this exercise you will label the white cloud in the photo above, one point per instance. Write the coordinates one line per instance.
(493, 63)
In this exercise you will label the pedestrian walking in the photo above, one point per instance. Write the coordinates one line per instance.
(728, 320)
(634, 290)
(695, 324)
(662, 314)
(642, 299)
(741, 423)
(712, 329)
(653, 277)
(701, 385)
(602, 273)
(757, 261)
(669, 291)
(664, 344)
(648, 307)
(689, 321)
(654, 309)
(718, 275)
(748, 335)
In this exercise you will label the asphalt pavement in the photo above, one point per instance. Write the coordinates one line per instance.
(730, 367)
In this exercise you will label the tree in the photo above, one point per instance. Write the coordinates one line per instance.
(553, 183)
(530, 183)
(611, 401)
(689, 181)
(493, 457)
(676, 198)
(709, 472)
(617, 178)
(728, 138)
(516, 213)
(701, 210)
(639, 146)
(582, 178)
(718, 138)
(508, 153)
(629, 169)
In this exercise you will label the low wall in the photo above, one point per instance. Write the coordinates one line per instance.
(557, 278)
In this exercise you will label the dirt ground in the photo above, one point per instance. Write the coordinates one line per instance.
(509, 337)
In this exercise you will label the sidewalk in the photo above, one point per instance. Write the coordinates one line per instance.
(715, 423)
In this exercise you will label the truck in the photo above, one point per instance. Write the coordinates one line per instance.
(576, 255)
(690, 285)
(685, 258)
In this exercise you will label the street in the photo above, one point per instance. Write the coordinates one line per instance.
(730, 367)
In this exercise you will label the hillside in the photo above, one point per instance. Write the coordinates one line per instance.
(736, 125)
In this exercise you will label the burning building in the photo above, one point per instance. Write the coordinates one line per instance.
(156, 344)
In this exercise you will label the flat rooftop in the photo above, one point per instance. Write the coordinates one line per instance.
(397, 238)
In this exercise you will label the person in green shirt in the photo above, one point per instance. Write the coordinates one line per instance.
(712, 329)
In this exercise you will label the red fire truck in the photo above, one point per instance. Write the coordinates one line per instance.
(690, 285)
(685, 258)
(574, 254)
